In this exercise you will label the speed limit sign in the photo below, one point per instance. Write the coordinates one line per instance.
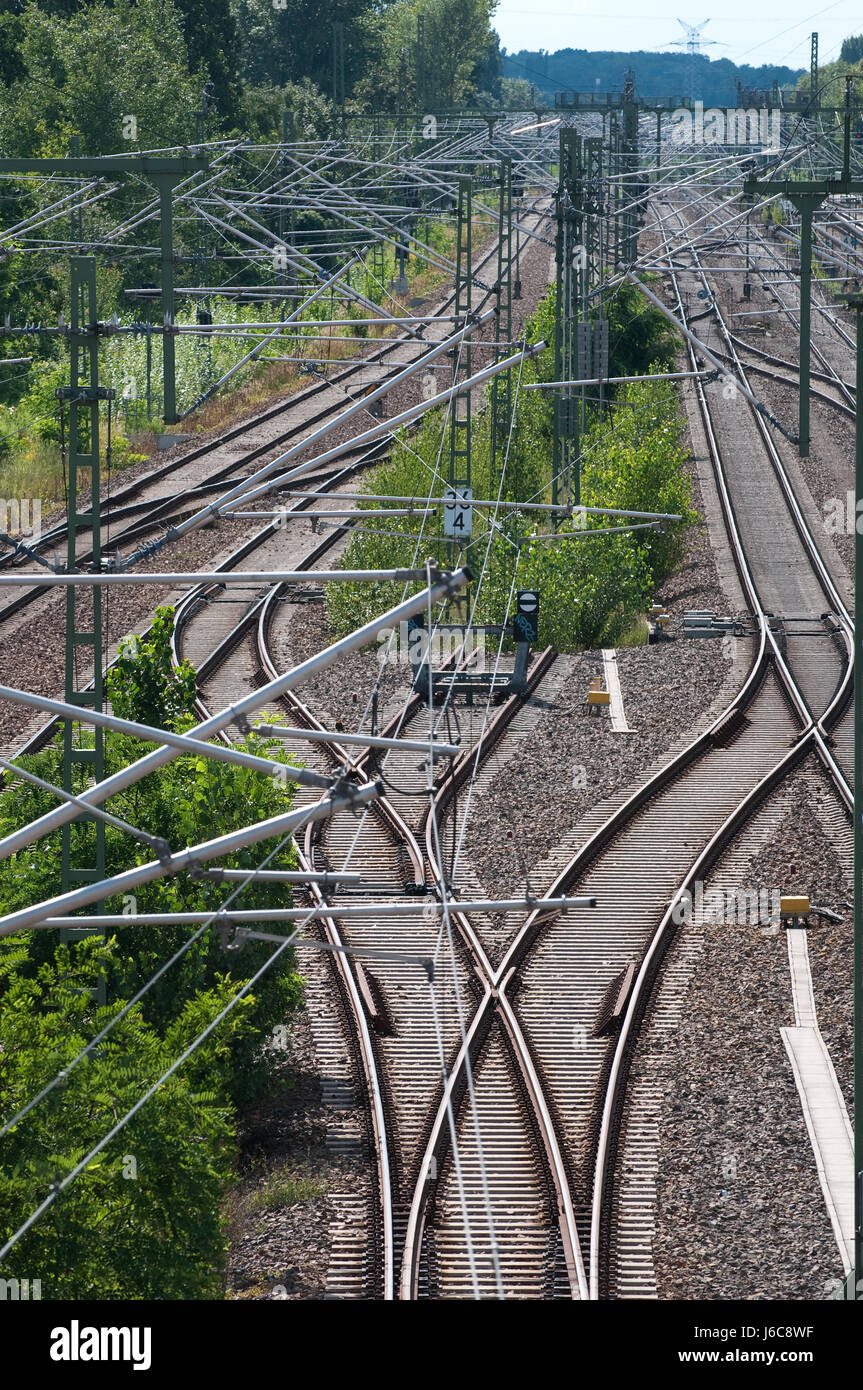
(458, 513)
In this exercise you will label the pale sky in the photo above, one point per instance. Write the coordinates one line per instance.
(777, 34)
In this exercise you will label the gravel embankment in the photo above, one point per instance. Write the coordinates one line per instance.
(282, 1251)
(803, 858)
(667, 690)
(740, 1212)
(341, 692)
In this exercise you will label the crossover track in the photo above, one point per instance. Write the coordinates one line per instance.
(489, 1099)
(493, 1113)
(399, 1092)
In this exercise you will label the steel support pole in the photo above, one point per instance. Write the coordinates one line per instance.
(570, 256)
(501, 390)
(82, 842)
(338, 79)
(806, 205)
(629, 187)
(460, 415)
(846, 146)
(858, 832)
(165, 184)
(421, 99)
(856, 302)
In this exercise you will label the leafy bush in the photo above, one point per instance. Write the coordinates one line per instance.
(158, 1233)
(143, 1220)
(142, 684)
(592, 586)
(187, 802)
(635, 462)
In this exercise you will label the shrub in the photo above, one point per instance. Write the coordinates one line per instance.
(143, 1220)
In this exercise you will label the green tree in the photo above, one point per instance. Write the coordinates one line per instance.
(143, 684)
(85, 72)
(633, 459)
(143, 1220)
(12, 67)
(213, 47)
(293, 39)
(459, 47)
(638, 334)
(190, 800)
(636, 462)
(515, 93)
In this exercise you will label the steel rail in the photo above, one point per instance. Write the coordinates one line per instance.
(638, 999)
(493, 997)
(328, 924)
(58, 533)
(822, 573)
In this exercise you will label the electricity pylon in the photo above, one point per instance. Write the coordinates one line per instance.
(693, 43)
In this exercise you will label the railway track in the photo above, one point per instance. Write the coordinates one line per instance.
(571, 995)
(204, 470)
(494, 1115)
(834, 372)
(392, 1000)
(621, 1258)
(577, 989)
(142, 512)
(490, 1097)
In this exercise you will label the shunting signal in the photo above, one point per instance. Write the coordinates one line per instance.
(525, 623)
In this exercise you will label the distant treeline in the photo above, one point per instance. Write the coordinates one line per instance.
(657, 75)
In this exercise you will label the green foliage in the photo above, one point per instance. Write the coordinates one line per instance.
(636, 463)
(213, 46)
(284, 1190)
(12, 67)
(187, 802)
(40, 412)
(87, 70)
(459, 54)
(659, 75)
(592, 587)
(143, 686)
(640, 338)
(516, 93)
(295, 41)
(852, 49)
(831, 76)
(161, 1231)
(143, 1219)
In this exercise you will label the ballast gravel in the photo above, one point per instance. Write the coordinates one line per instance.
(740, 1213)
(572, 759)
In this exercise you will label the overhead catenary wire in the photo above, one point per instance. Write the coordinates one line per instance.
(52, 820)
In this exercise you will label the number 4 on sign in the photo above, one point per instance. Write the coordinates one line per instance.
(458, 513)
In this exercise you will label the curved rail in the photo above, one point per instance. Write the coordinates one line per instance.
(812, 736)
